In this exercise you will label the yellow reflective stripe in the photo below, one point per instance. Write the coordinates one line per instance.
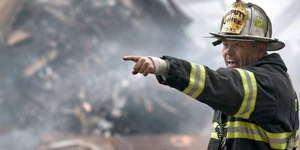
(296, 143)
(241, 129)
(279, 135)
(246, 136)
(253, 100)
(201, 82)
(245, 85)
(253, 126)
(215, 124)
(250, 93)
(243, 124)
(192, 79)
(214, 135)
(196, 81)
(278, 146)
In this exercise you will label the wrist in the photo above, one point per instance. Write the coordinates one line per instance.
(161, 66)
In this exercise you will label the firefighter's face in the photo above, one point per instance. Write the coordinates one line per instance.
(237, 54)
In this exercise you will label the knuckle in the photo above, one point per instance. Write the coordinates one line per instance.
(135, 68)
(152, 69)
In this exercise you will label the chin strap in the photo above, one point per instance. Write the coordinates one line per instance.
(217, 42)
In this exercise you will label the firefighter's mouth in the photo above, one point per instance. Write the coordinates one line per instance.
(232, 63)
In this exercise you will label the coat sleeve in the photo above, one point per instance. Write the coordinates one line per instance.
(232, 91)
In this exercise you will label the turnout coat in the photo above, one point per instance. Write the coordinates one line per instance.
(256, 107)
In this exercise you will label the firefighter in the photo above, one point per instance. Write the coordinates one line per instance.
(256, 106)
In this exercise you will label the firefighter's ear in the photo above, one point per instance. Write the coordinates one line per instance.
(261, 50)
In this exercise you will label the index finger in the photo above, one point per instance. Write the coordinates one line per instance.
(132, 58)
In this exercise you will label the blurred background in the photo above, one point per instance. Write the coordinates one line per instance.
(64, 85)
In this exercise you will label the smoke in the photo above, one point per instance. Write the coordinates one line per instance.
(19, 139)
(90, 37)
(74, 61)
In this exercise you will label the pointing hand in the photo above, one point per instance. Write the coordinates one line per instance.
(143, 65)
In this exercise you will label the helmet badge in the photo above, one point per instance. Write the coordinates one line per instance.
(235, 18)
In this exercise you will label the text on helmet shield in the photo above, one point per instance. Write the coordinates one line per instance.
(234, 19)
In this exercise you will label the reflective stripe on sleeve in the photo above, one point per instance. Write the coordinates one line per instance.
(250, 93)
(197, 81)
(251, 131)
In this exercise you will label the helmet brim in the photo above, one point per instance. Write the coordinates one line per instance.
(272, 44)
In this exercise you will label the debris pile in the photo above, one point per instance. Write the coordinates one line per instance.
(62, 71)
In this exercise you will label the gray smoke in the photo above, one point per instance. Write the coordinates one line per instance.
(90, 37)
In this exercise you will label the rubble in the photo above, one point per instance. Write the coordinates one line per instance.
(44, 60)
(17, 37)
(136, 142)
(67, 80)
